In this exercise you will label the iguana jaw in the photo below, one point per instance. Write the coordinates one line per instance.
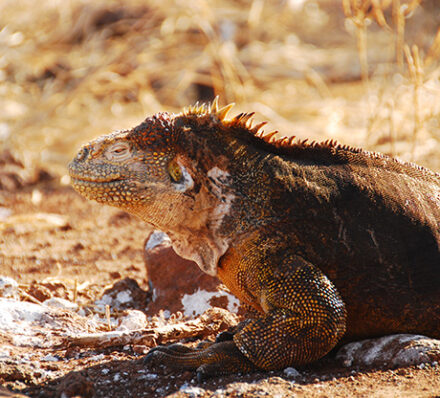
(101, 183)
(100, 190)
(93, 179)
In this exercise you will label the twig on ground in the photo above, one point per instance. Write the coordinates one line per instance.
(211, 322)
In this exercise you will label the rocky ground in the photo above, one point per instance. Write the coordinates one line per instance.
(86, 263)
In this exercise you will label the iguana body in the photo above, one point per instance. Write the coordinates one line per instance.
(327, 242)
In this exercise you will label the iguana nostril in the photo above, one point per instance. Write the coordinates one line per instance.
(82, 154)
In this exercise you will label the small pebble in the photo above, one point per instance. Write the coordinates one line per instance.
(291, 372)
(58, 302)
(151, 376)
(140, 349)
(50, 358)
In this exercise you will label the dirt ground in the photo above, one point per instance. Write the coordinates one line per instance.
(101, 245)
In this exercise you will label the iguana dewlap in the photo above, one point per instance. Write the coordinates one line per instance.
(325, 241)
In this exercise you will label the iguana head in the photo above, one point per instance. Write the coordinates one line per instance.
(131, 169)
(168, 173)
(147, 170)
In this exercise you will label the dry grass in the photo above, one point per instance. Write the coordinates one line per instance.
(70, 70)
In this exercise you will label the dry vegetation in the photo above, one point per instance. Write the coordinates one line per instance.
(363, 72)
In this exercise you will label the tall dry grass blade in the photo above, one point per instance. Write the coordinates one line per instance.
(378, 14)
(434, 51)
(346, 6)
(255, 13)
(408, 9)
(361, 33)
(392, 126)
(416, 75)
(315, 79)
(357, 11)
(399, 23)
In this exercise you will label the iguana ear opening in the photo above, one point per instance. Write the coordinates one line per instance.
(175, 171)
(180, 177)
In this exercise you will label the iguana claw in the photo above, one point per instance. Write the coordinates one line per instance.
(213, 360)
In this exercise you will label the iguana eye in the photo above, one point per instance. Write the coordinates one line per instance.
(118, 151)
(175, 171)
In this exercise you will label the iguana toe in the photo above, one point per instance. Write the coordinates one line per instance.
(216, 359)
(224, 336)
(165, 355)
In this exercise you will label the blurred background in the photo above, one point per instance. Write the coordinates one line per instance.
(365, 73)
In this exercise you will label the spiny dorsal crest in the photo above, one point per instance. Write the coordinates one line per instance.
(242, 120)
(329, 150)
(245, 121)
(211, 109)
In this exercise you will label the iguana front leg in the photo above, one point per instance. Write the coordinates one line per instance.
(303, 318)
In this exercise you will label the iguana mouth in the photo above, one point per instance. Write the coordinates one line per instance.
(103, 190)
(95, 180)
(96, 187)
(78, 176)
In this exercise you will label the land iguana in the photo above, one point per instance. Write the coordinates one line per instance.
(325, 241)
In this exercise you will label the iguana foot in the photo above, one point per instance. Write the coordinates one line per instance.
(209, 360)
(397, 350)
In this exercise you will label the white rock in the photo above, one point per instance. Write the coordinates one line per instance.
(192, 391)
(4, 211)
(133, 320)
(104, 300)
(8, 287)
(155, 239)
(17, 316)
(291, 372)
(58, 302)
(151, 376)
(124, 297)
(390, 351)
(50, 358)
(198, 302)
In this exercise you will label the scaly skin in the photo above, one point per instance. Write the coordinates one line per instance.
(326, 242)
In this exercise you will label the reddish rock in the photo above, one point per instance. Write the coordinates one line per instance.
(178, 284)
(125, 294)
(38, 291)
